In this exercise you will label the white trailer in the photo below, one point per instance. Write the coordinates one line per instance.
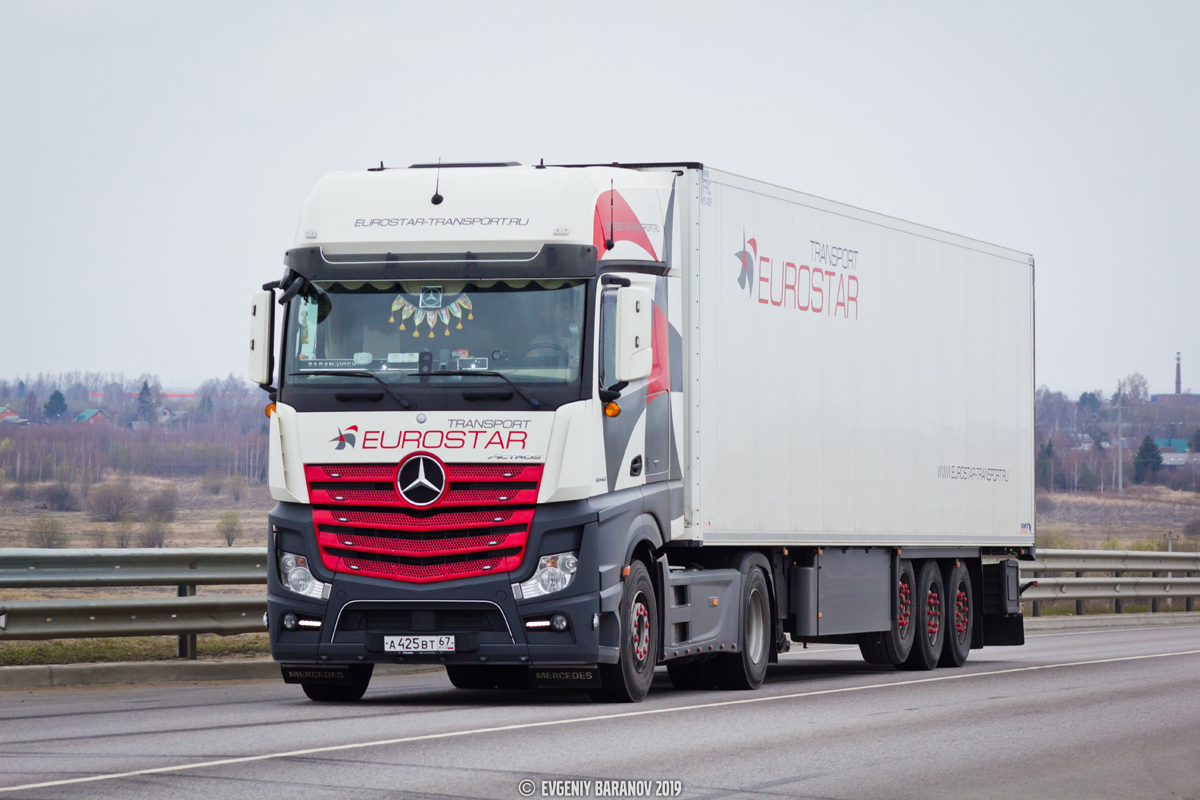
(560, 425)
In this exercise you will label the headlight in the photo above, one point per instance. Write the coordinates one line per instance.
(553, 574)
(293, 571)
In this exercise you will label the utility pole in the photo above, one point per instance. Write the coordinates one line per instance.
(1120, 454)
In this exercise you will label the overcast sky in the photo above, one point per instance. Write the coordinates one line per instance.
(154, 156)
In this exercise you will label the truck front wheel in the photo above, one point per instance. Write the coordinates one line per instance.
(360, 674)
(490, 676)
(628, 681)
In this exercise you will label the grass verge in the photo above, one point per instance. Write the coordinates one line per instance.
(134, 648)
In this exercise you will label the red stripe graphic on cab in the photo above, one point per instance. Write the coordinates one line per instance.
(612, 212)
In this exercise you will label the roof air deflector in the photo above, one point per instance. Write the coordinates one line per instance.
(468, 164)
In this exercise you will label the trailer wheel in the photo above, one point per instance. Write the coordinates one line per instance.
(746, 669)
(891, 648)
(628, 681)
(335, 693)
(959, 616)
(929, 603)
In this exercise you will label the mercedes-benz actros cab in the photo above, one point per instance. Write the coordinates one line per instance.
(556, 426)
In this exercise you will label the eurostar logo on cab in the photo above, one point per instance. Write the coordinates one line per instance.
(345, 437)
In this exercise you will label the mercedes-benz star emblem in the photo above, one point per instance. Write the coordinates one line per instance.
(421, 480)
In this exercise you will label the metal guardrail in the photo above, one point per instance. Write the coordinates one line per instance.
(184, 615)
(1171, 575)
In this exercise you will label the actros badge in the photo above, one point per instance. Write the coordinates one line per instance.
(421, 480)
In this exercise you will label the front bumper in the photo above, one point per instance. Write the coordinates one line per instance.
(347, 636)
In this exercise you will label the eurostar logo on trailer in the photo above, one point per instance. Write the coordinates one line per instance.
(345, 437)
(830, 292)
(747, 258)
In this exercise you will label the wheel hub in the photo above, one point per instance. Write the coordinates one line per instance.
(933, 613)
(962, 615)
(904, 609)
(640, 630)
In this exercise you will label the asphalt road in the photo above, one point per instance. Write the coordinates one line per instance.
(1072, 714)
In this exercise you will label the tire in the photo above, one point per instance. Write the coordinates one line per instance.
(960, 613)
(338, 693)
(470, 676)
(628, 681)
(745, 670)
(930, 616)
(692, 675)
(891, 648)
(479, 676)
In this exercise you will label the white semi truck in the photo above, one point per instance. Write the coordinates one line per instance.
(558, 425)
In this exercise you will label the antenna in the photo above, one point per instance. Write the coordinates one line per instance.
(609, 244)
(437, 198)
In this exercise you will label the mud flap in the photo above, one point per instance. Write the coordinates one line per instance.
(325, 674)
(565, 677)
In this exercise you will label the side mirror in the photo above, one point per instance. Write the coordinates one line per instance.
(635, 323)
(262, 334)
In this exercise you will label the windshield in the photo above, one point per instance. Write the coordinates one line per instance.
(530, 331)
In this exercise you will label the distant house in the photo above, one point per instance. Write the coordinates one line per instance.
(7, 412)
(94, 416)
(1174, 461)
(1172, 445)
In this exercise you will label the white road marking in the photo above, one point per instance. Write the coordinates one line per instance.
(1113, 630)
(576, 720)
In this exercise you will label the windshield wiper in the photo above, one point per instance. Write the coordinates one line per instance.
(491, 374)
(357, 374)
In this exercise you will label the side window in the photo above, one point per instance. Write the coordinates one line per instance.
(608, 338)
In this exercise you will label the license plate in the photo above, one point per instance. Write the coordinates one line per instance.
(418, 644)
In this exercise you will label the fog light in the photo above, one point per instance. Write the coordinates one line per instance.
(289, 621)
(558, 622)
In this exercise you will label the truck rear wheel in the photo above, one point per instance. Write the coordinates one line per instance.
(959, 614)
(696, 675)
(628, 681)
(930, 617)
(746, 670)
(893, 647)
(341, 693)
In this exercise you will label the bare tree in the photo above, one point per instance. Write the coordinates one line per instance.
(109, 502)
(154, 532)
(229, 527)
(47, 532)
(123, 532)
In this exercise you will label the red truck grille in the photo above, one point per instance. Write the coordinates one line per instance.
(478, 527)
